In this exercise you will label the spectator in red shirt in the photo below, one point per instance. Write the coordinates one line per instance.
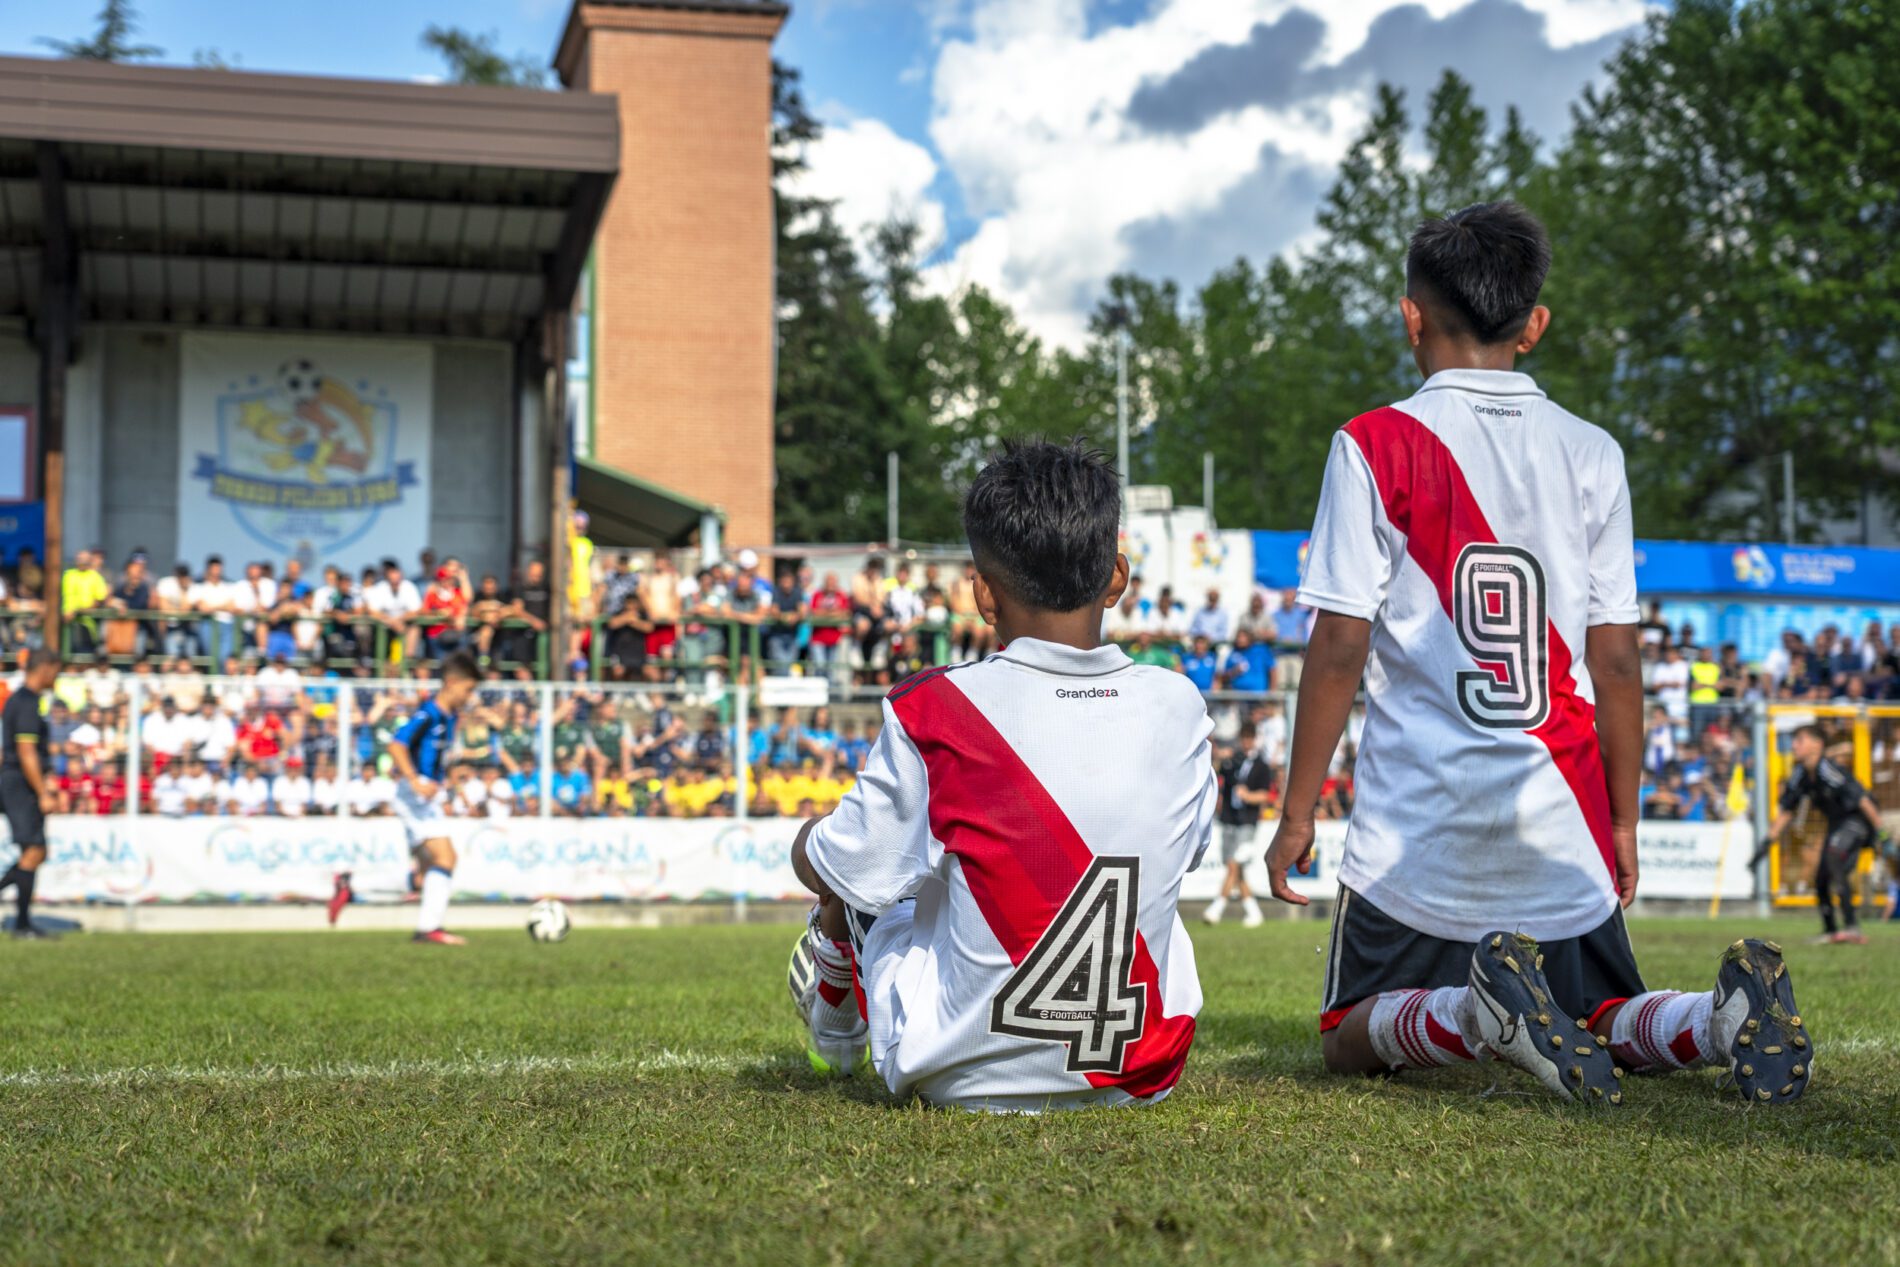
(828, 602)
(261, 737)
(446, 599)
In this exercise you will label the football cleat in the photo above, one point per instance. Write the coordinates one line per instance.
(340, 897)
(1849, 937)
(1523, 1026)
(835, 1051)
(1757, 1026)
(440, 937)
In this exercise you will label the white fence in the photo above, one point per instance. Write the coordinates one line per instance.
(273, 859)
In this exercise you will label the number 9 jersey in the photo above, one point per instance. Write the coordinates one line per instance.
(1482, 530)
(1020, 831)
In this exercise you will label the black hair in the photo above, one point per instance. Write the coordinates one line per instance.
(41, 657)
(1480, 269)
(461, 665)
(1813, 732)
(1042, 520)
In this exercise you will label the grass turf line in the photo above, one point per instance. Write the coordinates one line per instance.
(640, 1096)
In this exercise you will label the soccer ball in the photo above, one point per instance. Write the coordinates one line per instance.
(548, 921)
(301, 380)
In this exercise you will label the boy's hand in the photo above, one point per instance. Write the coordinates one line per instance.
(1292, 847)
(1623, 846)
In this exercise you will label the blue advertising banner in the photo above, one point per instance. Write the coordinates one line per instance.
(1841, 574)
(22, 526)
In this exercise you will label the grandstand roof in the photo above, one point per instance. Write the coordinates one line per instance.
(625, 510)
(227, 198)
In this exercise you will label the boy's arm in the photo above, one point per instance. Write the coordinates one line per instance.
(807, 874)
(1335, 662)
(1616, 667)
(875, 849)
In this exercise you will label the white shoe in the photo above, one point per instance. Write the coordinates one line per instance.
(1214, 911)
(1250, 916)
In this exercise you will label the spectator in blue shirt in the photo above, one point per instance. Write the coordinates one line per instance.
(709, 745)
(1211, 622)
(571, 788)
(1290, 623)
(853, 748)
(1201, 663)
(1249, 665)
(525, 783)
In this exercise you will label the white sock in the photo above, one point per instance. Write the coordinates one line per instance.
(836, 1009)
(1664, 1029)
(1215, 909)
(1250, 906)
(435, 900)
(1422, 1029)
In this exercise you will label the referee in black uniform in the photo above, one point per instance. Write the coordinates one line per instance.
(25, 794)
(1853, 821)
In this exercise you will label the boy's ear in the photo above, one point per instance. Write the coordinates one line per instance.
(1533, 330)
(985, 598)
(1117, 581)
(1414, 318)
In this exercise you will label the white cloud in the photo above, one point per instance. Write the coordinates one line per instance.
(1031, 118)
(873, 174)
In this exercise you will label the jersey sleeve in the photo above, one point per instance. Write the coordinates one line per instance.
(1207, 804)
(1792, 793)
(406, 733)
(1613, 556)
(1349, 560)
(875, 849)
(24, 724)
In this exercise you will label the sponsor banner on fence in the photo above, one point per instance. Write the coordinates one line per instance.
(304, 447)
(287, 859)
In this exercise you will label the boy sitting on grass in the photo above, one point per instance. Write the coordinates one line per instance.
(996, 922)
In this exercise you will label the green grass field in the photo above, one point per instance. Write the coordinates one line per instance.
(640, 1096)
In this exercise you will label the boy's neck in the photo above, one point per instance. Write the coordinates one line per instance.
(1437, 355)
(1079, 629)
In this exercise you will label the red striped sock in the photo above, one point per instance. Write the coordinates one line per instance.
(838, 987)
(1664, 1029)
(1420, 1029)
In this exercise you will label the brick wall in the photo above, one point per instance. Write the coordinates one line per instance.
(683, 297)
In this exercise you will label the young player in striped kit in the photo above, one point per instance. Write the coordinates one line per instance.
(1472, 559)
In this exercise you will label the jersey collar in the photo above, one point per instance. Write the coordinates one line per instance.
(1053, 657)
(1483, 382)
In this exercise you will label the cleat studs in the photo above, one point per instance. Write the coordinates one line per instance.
(1772, 946)
(1497, 941)
(1753, 1024)
(1543, 1018)
(1576, 1071)
(1739, 947)
(1616, 1097)
(1597, 1092)
(1617, 1072)
(1746, 966)
(1582, 1024)
(1586, 1051)
(1557, 1041)
(1788, 1090)
(1511, 964)
(1748, 1071)
(1744, 1040)
(1540, 963)
(1603, 1040)
(1764, 1094)
(1799, 1042)
(1795, 1021)
(1798, 1070)
(1781, 970)
(1771, 1051)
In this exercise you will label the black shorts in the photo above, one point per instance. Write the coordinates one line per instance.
(1372, 953)
(24, 818)
(1850, 837)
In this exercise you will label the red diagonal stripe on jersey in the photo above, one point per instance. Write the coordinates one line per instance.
(1022, 857)
(1426, 498)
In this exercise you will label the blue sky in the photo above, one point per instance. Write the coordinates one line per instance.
(1041, 144)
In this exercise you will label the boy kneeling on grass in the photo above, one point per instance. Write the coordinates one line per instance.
(996, 922)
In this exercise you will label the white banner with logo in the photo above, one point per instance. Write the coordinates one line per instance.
(299, 446)
(640, 859)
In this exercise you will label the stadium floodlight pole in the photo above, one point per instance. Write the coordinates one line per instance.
(1207, 486)
(1787, 496)
(1121, 401)
(890, 499)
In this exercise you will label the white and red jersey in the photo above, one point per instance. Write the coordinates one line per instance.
(1482, 530)
(1041, 806)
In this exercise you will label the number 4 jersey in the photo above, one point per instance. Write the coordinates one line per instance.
(1020, 830)
(1482, 530)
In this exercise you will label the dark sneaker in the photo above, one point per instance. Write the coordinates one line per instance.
(340, 897)
(1756, 1024)
(1522, 1026)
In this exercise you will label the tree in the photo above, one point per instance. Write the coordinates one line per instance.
(477, 59)
(112, 42)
